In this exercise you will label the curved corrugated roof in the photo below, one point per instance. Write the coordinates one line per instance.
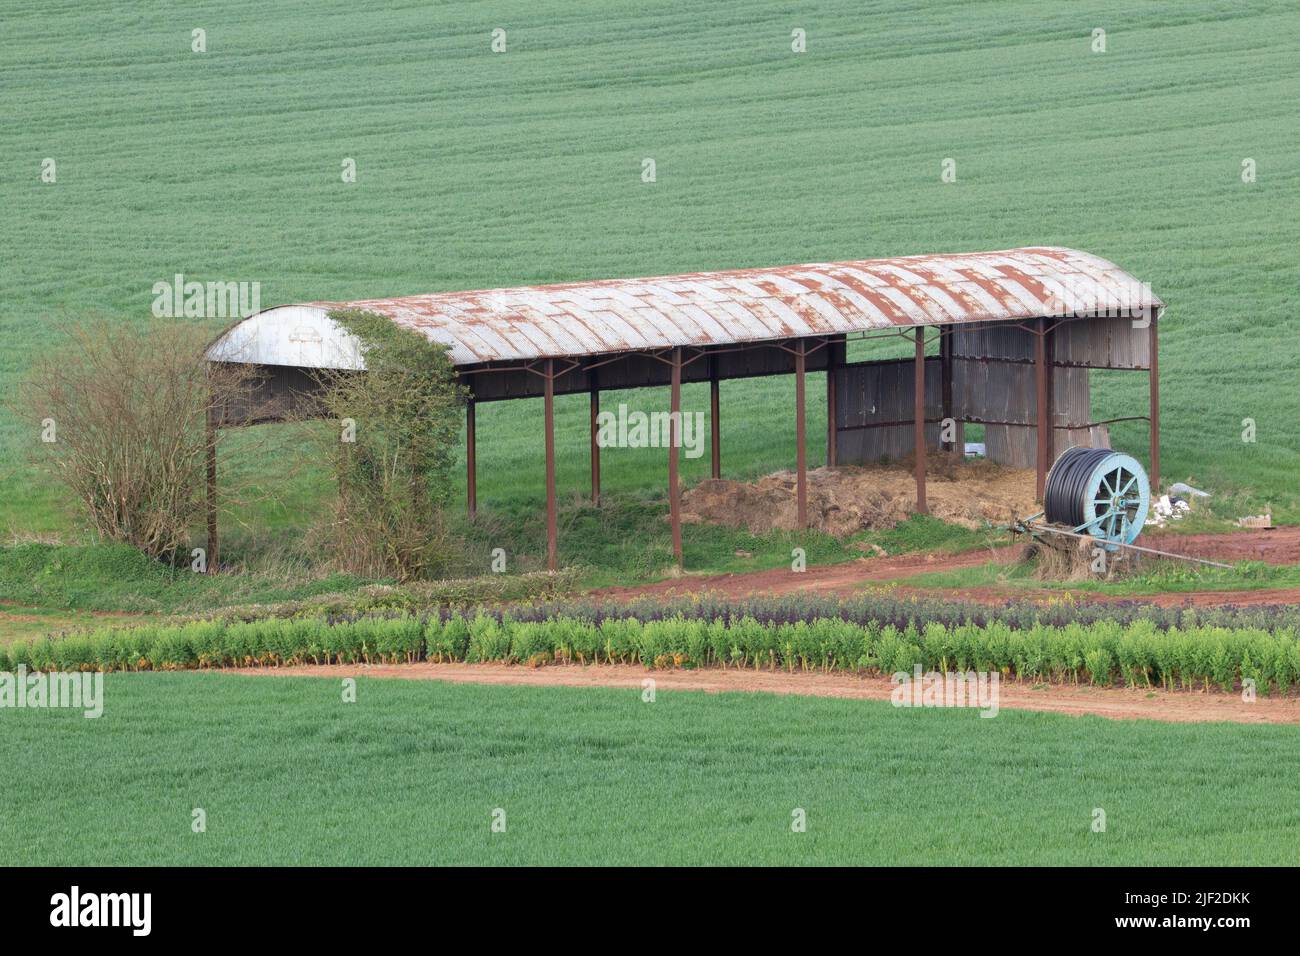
(708, 308)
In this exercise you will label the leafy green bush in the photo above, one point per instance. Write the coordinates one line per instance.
(489, 639)
(446, 641)
(1099, 662)
(531, 642)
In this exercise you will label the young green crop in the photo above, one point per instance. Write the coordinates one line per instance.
(1101, 652)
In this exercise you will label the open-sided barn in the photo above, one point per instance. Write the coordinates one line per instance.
(1003, 339)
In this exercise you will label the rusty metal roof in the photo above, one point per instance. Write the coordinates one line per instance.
(707, 308)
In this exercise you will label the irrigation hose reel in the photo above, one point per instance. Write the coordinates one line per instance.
(1100, 493)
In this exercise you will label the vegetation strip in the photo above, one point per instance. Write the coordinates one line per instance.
(1101, 652)
(1113, 703)
(410, 774)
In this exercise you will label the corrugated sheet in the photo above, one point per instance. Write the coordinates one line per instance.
(1104, 342)
(1016, 446)
(1009, 342)
(871, 395)
(877, 393)
(1008, 394)
(880, 393)
(707, 308)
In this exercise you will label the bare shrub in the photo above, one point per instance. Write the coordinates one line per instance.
(1071, 561)
(121, 411)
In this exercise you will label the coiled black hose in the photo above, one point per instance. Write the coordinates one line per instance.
(1067, 483)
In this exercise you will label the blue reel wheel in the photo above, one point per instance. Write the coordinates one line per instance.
(1098, 492)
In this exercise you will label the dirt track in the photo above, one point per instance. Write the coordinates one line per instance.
(1278, 546)
(826, 579)
(1255, 598)
(1275, 546)
(1119, 704)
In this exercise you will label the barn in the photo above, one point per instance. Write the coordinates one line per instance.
(1004, 339)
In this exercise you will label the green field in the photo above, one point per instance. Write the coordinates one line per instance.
(411, 773)
(1163, 578)
(478, 169)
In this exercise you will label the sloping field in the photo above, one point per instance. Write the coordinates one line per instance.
(479, 169)
(413, 771)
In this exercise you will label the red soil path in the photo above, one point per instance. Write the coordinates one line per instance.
(1276, 546)
(1117, 703)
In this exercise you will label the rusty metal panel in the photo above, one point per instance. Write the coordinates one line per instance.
(874, 393)
(1099, 342)
(1071, 399)
(274, 393)
(1015, 446)
(1002, 395)
(994, 342)
(1005, 393)
(701, 309)
(497, 386)
(885, 444)
(869, 396)
(1098, 436)
(867, 446)
(1103, 343)
(993, 391)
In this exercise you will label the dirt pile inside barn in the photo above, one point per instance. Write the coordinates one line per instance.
(845, 500)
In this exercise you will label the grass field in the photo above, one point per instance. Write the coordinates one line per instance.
(478, 169)
(19, 622)
(412, 772)
(1163, 578)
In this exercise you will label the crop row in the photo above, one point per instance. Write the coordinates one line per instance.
(1101, 652)
(883, 607)
(879, 607)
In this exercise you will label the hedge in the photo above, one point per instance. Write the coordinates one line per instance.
(1100, 652)
(886, 607)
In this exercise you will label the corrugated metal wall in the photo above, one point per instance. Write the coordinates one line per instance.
(1102, 343)
(274, 393)
(1089, 343)
(873, 402)
(1004, 396)
(994, 384)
